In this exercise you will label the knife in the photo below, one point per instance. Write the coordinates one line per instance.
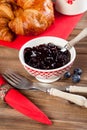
(70, 89)
(28, 84)
(56, 91)
(19, 102)
(76, 89)
(20, 82)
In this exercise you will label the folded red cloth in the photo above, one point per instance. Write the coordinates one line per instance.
(2, 81)
(62, 27)
(19, 102)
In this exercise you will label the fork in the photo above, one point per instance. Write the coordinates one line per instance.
(20, 82)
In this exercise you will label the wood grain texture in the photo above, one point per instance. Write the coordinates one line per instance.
(64, 115)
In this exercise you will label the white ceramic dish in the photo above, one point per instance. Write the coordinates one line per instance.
(46, 76)
(71, 7)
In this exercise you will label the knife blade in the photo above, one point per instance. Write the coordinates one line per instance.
(74, 98)
(71, 88)
(19, 102)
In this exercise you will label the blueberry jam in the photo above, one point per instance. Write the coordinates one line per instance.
(46, 56)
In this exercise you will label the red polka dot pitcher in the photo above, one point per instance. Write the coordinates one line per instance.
(71, 7)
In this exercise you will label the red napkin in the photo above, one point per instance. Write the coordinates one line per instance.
(19, 102)
(62, 27)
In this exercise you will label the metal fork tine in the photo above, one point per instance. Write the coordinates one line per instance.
(14, 76)
(11, 77)
(9, 80)
(17, 80)
(18, 77)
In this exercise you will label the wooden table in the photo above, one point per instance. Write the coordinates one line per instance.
(63, 114)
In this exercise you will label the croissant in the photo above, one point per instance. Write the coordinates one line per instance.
(28, 23)
(3, 22)
(7, 1)
(6, 34)
(26, 4)
(6, 11)
(34, 20)
(26, 17)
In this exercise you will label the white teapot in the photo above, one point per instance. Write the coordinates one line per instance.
(71, 7)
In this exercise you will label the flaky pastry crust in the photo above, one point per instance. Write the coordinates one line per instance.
(25, 17)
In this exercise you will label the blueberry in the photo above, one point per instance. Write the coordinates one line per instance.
(78, 71)
(75, 78)
(67, 75)
(49, 53)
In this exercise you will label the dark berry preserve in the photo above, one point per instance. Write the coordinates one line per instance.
(46, 56)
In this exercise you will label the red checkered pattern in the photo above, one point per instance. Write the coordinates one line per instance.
(47, 75)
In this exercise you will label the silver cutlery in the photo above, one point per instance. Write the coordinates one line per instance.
(29, 84)
(71, 43)
(21, 82)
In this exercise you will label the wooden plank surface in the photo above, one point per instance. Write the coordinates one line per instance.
(63, 114)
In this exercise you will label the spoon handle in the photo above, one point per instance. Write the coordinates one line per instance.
(79, 37)
(77, 89)
(77, 99)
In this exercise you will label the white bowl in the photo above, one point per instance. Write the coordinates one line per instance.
(71, 7)
(51, 75)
